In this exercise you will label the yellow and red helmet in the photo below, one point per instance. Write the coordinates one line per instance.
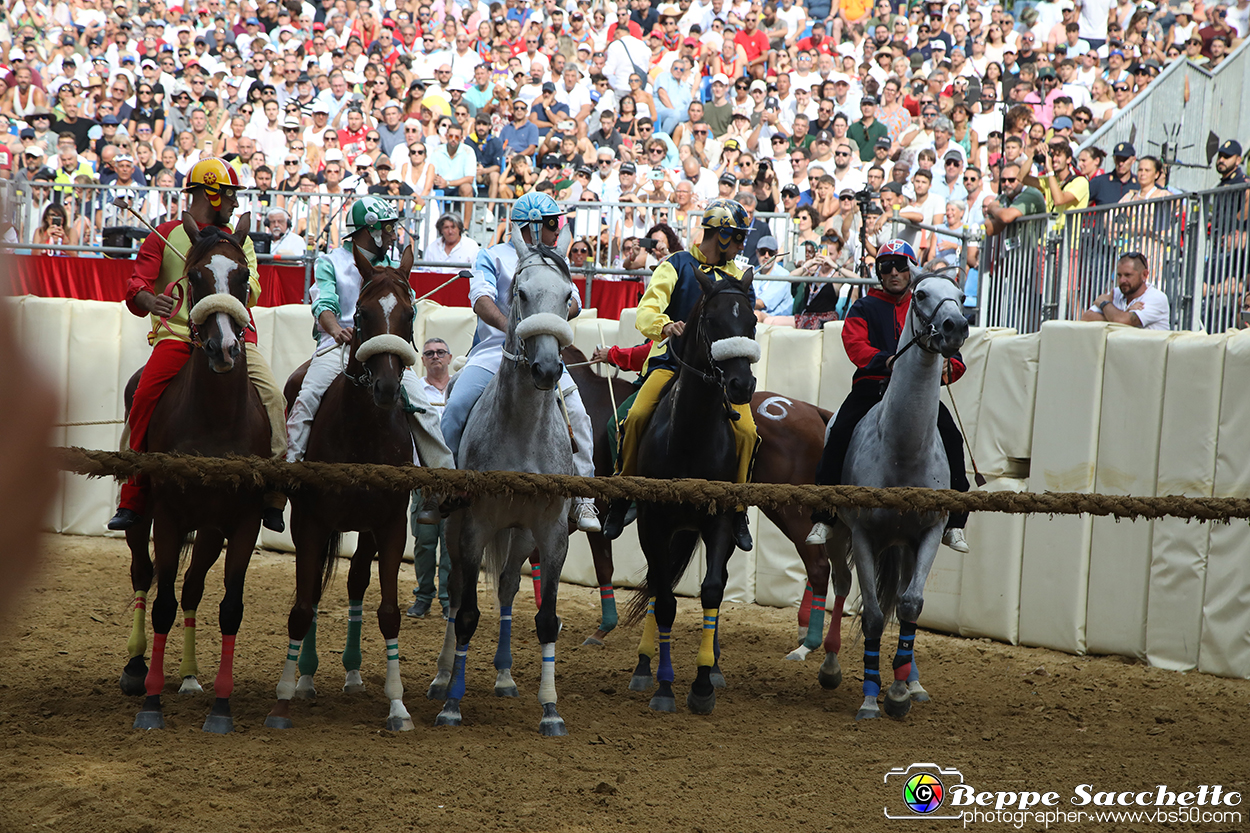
(213, 174)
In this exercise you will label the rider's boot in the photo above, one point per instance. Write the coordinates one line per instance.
(819, 534)
(954, 538)
(614, 524)
(583, 513)
(742, 532)
(124, 519)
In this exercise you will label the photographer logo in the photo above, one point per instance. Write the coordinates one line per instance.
(923, 790)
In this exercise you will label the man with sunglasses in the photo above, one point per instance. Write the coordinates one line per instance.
(1132, 300)
(665, 307)
(1015, 200)
(870, 335)
(490, 154)
(372, 226)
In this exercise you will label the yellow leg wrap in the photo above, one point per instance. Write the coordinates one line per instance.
(649, 645)
(188, 668)
(639, 415)
(707, 653)
(137, 645)
(745, 440)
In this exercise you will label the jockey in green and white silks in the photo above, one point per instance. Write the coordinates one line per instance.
(490, 293)
(371, 226)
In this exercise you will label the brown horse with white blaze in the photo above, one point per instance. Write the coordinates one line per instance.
(361, 420)
(209, 409)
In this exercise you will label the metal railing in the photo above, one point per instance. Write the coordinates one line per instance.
(1194, 245)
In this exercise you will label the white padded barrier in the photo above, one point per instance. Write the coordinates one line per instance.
(1225, 645)
(454, 325)
(1054, 575)
(989, 579)
(1004, 435)
(1130, 423)
(1178, 564)
(968, 391)
(836, 370)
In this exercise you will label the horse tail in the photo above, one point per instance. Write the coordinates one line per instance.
(636, 610)
(329, 558)
(894, 568)
(495, 557)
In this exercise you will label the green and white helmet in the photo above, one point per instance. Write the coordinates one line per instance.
(371, 213)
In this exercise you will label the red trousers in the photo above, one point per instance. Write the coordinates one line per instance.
(168, 357)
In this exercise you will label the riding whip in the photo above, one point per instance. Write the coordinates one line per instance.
(977, 476)
(122, 202)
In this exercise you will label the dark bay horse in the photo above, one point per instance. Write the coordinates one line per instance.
(690, 436)
(361, 420)
(210, 409)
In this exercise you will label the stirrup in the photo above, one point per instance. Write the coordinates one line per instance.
(820, 534)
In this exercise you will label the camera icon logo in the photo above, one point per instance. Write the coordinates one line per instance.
(923, 790)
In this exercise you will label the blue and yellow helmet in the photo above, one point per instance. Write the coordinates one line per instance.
(729, 219)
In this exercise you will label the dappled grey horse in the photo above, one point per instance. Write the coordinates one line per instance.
(516, 425)
(897, 444)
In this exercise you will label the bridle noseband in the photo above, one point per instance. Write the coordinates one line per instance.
(927, 330)
(716, 378)
(365, 378)
(177, 294)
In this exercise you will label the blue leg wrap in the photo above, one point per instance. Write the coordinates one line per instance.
(872, 677)
(456, 692)
(665, 672)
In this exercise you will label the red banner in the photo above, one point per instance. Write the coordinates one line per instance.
(104, 279)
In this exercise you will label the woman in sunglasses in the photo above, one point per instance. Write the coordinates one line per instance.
(146, 111)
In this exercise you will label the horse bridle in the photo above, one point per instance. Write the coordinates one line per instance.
(716, 378)
(193, 329)
(514, 312)
(365, 378)
(927, 331)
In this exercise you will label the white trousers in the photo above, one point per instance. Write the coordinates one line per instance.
(429, 448)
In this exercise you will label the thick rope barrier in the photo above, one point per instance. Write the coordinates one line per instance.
(254, 472)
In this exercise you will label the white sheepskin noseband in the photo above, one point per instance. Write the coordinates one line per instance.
(545, 324)
(387, 343)
(220, 302)
(737, 347)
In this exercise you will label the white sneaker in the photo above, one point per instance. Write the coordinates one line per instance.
(954, 538)
(585, 515)
(819, 534)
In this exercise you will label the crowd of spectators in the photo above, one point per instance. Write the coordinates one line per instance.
(956, 114)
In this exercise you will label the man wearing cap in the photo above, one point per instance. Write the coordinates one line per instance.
(546, 112)
(718, 113)
(490, 154)
(1230, 226)
(867, 130)
(1110, 188)
(33, 159)
(772, 298)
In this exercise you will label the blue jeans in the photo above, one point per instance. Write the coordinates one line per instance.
(429, 546)
(670, 118)
(464, 395)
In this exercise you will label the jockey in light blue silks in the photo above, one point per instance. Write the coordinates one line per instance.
(490, 291)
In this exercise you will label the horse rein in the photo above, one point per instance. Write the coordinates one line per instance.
(716, 378)
(365, 379)
(928, 331)
(180, 296)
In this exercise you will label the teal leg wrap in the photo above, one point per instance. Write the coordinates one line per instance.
(815, 625)
(607, 600)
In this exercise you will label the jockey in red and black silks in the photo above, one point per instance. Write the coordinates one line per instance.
(870, 335)
(158, 288)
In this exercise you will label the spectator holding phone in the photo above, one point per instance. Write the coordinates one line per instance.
(54, 231)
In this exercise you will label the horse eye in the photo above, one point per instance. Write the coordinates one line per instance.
(920, 295)
(522, 296)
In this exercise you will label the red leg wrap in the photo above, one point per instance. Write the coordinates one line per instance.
(805, 607)
(224, 684)
(902, 671)
(833, 639)
(156, 671)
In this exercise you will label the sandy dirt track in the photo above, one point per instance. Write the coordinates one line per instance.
(778, 754)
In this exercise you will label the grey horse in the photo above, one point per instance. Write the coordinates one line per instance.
(516, 425)
(897, 444)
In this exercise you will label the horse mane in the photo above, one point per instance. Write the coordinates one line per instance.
(210, 237)
(948, 273)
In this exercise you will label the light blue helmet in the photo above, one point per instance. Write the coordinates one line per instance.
(534, 207)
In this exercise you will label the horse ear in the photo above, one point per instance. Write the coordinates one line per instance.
(405, 262)
(241, 229)
(518, 242)
(362, 264)
(748, 278)
(565, 240)
(191, 227)
(704, 281)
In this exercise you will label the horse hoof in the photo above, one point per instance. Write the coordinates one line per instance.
(190, 685)
(275, 722)
(150, 720)
(830, 674)
(219, 724)
(552, 724)
(897, 700)
(664, 703)
(304, 689)
(450, 715)
(507, 691)
(717, 678)
(593, 642)
(867, 714)
(799, 654)
(701, 704)
(641, 682)
(353, 684)
(439, 687)
(134, 676)
(399, 724)
(917, 692)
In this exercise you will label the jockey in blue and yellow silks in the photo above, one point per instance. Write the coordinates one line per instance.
(670, 298)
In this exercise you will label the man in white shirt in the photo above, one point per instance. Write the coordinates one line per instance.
(269, 138)
(623, 54)
(573, 93)
(286, 245)
(1132, 300)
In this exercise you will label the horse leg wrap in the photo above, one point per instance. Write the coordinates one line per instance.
(394, 688)
(816, 624)
(536, 573)
(547, 681)
(351, 653)
(805, 606)
(290, 670)
(872, 677)
(833, 639)
(903, 656)
(137, 645)
(188, 668)
(308, 652)
(156, 672)
(665, 672)
(607, 604)
(503, 654)
(456, 692)
(223, 686)
(648, 645)
(707, 649)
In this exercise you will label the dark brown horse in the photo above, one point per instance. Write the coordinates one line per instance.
(210, 409)
(361, 419)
